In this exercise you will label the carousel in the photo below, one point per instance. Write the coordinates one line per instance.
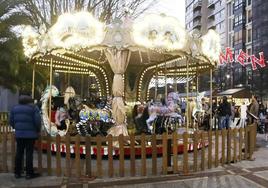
(126, 59)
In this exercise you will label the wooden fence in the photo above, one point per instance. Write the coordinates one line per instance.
(217, 148)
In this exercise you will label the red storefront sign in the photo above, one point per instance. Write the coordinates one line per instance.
(242, 58)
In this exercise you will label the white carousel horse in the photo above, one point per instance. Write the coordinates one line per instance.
(169, 111)
(51, 127)
(69, 92)
(198, 111)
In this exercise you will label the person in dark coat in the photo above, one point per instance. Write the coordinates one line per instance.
(225, 113)
(26, 120)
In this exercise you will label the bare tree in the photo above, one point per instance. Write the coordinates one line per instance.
(47, 11)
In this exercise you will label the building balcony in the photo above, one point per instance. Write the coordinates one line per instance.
(238, 7)
(197, 24)
(211, 25)
(211, 3)
(197, 14)
(211, 14)
(198, 4)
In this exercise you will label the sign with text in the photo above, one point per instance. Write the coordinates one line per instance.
(242, 58)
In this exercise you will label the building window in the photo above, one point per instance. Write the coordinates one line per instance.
(249, 16)
(249, 35)
(238, 4)
(238, 20)
(249, 2)
(238, 37)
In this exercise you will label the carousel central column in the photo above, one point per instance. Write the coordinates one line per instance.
(118, 60)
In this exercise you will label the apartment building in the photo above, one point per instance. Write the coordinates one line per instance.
(206, 14)
(260, 44)
(239, 37)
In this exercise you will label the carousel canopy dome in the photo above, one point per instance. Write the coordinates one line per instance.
(158, 34)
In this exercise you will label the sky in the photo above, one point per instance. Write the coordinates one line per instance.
(174, 8)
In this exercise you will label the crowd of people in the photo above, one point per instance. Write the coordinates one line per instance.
(225, 114)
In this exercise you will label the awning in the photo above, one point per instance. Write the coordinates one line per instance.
(237, 93)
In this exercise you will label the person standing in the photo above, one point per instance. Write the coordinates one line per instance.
(243, 114)
(60, 117)
(254, 109)
(224, 113)
(26, 120)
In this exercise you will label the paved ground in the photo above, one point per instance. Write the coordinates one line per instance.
(243, 174)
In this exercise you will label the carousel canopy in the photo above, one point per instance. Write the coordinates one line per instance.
(79, 39)
(79, 43)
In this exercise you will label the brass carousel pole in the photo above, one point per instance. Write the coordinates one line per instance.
(33, 81)
(197, 80)
(175, 79)
(156, 83)
(82, 86)
(187, 95)
(211, 121)
(165, 81)
(50, 93)
(68, 77)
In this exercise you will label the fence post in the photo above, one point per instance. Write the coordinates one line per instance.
(154, 155)
(217, 148)
(209, 149)
(77, 156)
(132, 155)
(229, 141)
(240, 143)
(223, 135)
(88, 156)
(195, 151)
(49, 170)
(121, 156)
(246, 142)
(13, 150)
(175, 152)
(68, 155)
(110, 156)
(143, 155)
(251, 142)
(99, 156)
(185, 153)
(58, 156)
(203, 152)
(4, 147)
(235, 144)
(164, 151)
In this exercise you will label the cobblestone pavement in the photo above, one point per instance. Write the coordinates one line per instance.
(242, 174)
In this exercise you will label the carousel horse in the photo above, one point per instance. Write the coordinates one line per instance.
(165, 118)
(69, 93)
(94, 121)
(51, 127)
(198, 112)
